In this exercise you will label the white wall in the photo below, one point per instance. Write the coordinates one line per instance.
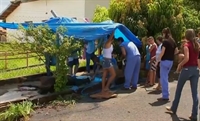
(40, 10)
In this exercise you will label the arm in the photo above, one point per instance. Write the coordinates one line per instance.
(123, 51)
(176, 51)
(186, 56)
(109, 41)
(111, 37)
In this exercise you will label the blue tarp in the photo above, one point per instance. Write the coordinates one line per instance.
(86, 31)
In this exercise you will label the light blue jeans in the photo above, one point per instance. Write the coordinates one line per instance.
(165, 67)
(192, 74)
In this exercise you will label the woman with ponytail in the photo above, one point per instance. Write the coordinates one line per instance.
(166, 59)
(189, 71)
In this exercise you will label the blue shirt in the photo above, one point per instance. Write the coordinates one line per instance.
(131, 49)
(90, 47)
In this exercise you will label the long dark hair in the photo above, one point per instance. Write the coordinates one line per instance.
(167, 32)
(168, 36)
(190, 36)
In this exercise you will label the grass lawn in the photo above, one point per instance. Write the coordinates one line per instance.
(15, 63)
(28, 71)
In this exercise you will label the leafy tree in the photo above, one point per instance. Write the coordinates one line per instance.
(100, 14)
(193, 4)
(131, 13)
(191, 18)
(166, 13)
(42, 40)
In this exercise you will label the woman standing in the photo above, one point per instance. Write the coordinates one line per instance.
(147, 60)
(159, 42)
(108, 69)
(166, 59)
(152, 72)
(189, 71)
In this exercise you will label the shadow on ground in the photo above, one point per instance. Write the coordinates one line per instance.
(176, 118)
(159, 103)
(155, 92)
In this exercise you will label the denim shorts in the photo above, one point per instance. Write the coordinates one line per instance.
(107, 63)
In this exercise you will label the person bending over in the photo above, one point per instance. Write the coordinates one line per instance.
(133, 62)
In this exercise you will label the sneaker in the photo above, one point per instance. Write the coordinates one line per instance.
(163, 99)
(123, 88)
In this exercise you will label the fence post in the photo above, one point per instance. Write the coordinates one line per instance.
(27, 59)
(6, 66)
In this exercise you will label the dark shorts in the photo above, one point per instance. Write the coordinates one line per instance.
(158, 70)
(107, 63)
(74, 62)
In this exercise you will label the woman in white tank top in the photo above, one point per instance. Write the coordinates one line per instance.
(108, 68)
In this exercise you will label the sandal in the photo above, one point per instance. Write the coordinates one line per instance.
(169, 110)
(192, 118)
(150, 85)
(158, 88)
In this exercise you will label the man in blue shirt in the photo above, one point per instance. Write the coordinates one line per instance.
(133, 61)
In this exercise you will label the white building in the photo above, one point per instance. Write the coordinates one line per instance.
(39, 10)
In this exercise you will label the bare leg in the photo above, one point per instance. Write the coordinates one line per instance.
(159, 85)
(111, 78)
(104, 79)
(151, 77)
(154, 77)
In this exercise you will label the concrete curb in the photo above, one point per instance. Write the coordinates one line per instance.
(44, 98)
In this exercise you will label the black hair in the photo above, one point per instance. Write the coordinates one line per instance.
(120, 39)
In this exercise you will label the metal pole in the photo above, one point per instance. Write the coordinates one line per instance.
(54, 14)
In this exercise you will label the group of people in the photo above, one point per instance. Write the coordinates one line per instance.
(159, 61)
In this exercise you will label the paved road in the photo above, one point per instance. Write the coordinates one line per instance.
(135, 106)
